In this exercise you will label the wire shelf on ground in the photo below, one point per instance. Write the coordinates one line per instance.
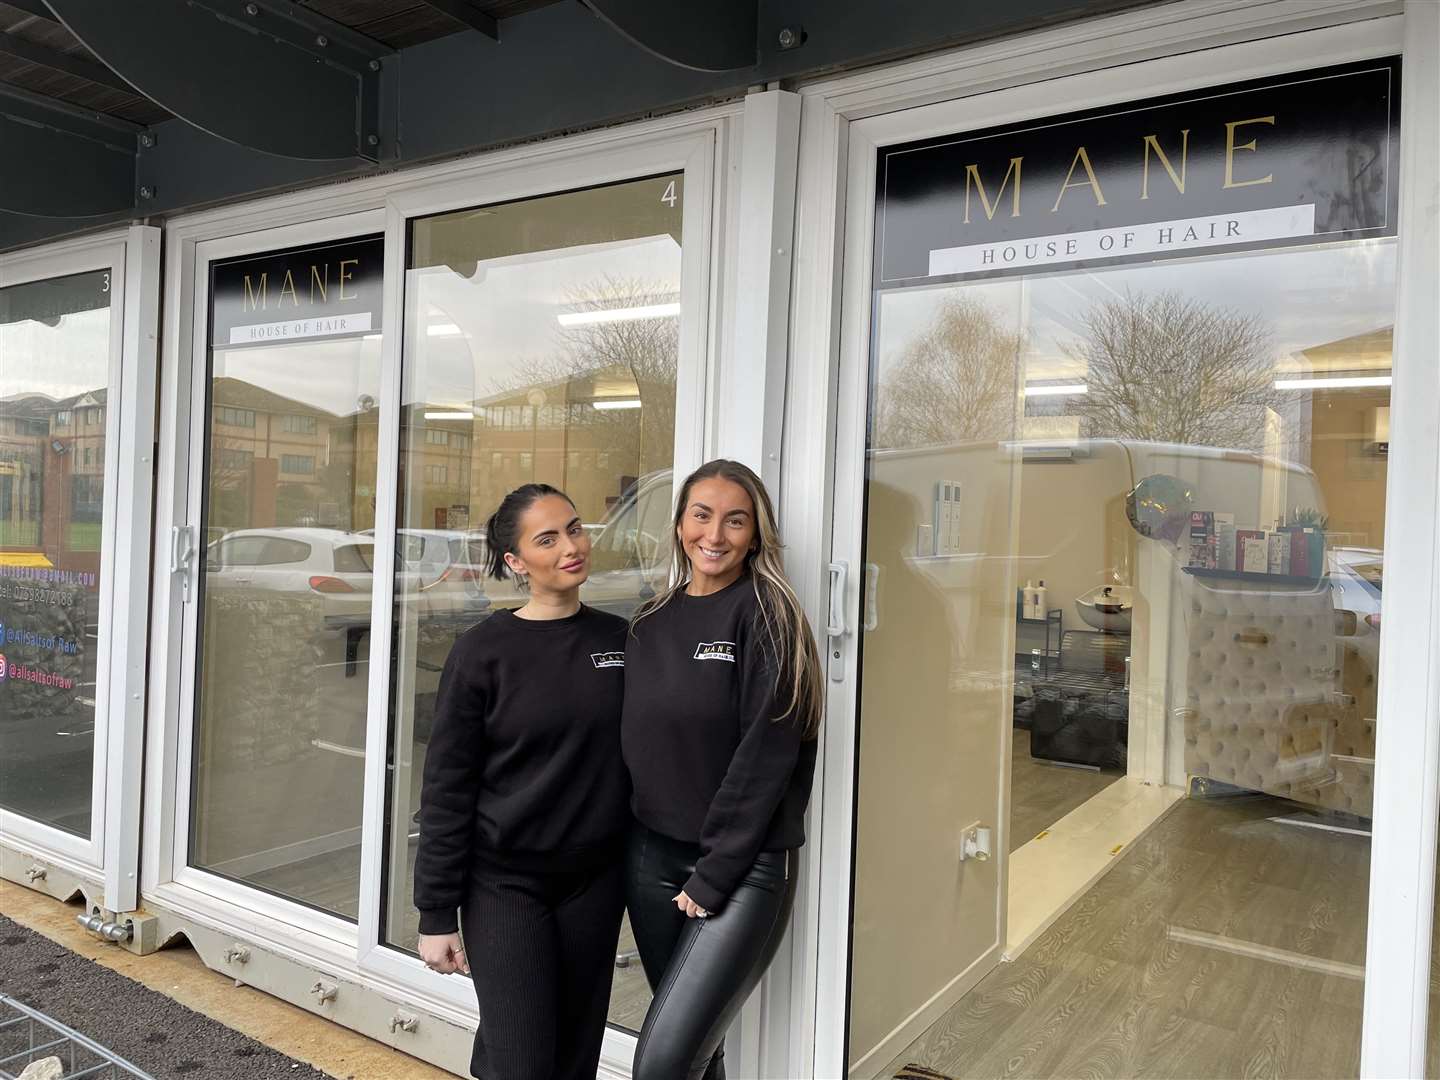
(28, 1035)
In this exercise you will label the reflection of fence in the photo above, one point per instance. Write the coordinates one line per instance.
(84, 536)
(19, 534)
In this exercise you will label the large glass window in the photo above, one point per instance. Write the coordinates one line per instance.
(286, 571)
(55, 348)
(542, 344)
(1236, 408)
(1124, 543)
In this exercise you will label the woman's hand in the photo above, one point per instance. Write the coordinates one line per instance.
(443, 953)
(691, 909)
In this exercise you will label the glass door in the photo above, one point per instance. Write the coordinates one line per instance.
(283, 553)
(77, 391)
(58, 340)
(1121, 504)
(543, 343)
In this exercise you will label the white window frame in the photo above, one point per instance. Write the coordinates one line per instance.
(695, 143)
(110, 854)
(1089, 64)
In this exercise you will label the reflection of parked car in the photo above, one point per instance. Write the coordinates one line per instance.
(1358, 574)
(331, 564)
(630, 553)
(449, 566)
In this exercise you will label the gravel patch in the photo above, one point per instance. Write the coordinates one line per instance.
(149, 1029)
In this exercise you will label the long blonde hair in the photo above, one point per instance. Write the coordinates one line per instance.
(786, 627)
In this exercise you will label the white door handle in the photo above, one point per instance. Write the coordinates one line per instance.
(835, 617)
(182, 557)
(182, 548)
(872, 596)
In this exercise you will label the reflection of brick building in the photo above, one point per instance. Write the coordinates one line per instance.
(590, 437)
(278, 461)
(52, 477)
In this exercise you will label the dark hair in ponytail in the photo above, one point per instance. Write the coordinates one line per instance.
(503, 528)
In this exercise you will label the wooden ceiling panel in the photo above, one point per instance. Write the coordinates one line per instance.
(398, 23)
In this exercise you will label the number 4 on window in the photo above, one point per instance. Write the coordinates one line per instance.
(670, 198)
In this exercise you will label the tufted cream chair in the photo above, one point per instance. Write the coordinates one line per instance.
(1276, 697)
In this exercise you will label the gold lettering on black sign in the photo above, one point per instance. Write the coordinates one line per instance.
(972, 172)
(257, 287)
(1150, 145)
(344, 277)
(316, 280)
(1081, 158)
(1153, 143)
(256, 301)
(1231, 146)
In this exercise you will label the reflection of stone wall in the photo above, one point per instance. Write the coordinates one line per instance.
(260, 695)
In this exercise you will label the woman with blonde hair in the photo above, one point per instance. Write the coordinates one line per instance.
(723, 695)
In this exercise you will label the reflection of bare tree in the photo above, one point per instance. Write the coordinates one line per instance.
(647, 349)
(614, 361)
(953, 383)
(1171, 369)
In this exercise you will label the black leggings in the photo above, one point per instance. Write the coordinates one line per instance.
(541, 948)
(701, 970)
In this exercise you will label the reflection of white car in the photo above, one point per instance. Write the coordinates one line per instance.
(629, 552)
(1358, 573)
(1356, 579)
(331, 564)
(449, 569)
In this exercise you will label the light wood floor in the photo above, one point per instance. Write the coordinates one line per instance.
(1042, 793)
(1109, 991)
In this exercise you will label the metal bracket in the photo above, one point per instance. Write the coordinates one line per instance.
(266, 74)
(325, 991)
(404, 1021)
(975, 842)
(115, 929)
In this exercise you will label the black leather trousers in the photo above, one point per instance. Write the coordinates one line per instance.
(700, 970)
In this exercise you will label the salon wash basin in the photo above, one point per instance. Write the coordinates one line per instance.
(1107, 607)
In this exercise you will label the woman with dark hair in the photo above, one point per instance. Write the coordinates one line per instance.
(523, 812)
(723, 694)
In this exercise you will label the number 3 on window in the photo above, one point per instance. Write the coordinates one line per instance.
(105, 287)
(669, 198)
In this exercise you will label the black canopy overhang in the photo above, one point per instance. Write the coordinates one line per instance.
(292, 96)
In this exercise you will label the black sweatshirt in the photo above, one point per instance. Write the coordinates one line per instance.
(523, 766)
(709, 760)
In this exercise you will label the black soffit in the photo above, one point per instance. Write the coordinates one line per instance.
(112, 110)
(83, 82)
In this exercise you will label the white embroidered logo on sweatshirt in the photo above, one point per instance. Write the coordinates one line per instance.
(715, 650)
(607, 659)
